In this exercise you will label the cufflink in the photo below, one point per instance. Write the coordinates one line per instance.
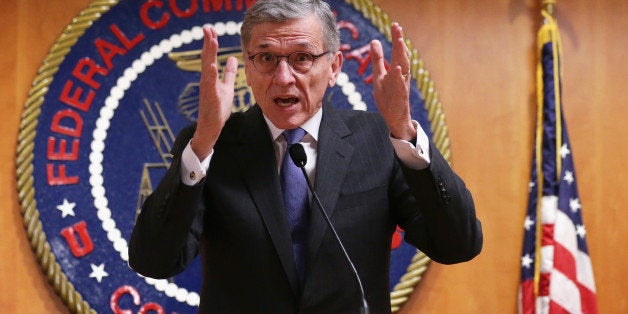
(417, 152)
(192, 175)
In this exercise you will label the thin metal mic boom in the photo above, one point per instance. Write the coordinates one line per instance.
(297, 153)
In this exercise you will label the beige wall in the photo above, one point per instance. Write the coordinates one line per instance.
(481, 57)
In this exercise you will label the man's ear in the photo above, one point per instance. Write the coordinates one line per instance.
(336, 66)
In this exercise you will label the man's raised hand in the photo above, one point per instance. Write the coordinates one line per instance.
(216, 95)
(391, 87)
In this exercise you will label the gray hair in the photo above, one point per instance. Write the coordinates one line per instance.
(276, 11)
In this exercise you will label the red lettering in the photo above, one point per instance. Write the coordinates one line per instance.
(66, 130)
(114, 302)
(115, 299)
(62, 179)
(69, 234)
(216, 5)
(249, 3)
(62, 153)
(88, 77)
(74, 99)
(184, 13)
(353, 30)
(128, 44)
(154, 25)
(108, 50)
(151, 307)
(397, 238)
(363, 57)
(355, 33)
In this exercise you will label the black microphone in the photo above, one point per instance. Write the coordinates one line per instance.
(297, 153)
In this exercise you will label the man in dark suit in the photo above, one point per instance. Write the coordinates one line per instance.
(222, 197)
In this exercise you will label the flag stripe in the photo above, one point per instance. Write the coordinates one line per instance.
(555, 308)
(542, 304)
(585, 271)
(564, 262)
(589, 303)
(564, 292)
(565, 233)
(526, 297)
(544, 284)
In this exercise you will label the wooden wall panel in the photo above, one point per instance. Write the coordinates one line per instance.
(28, 30)
(481, 57)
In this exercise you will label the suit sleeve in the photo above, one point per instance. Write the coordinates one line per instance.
(165, 238)
(445, 226)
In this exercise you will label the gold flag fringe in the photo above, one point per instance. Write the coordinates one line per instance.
(548, 33)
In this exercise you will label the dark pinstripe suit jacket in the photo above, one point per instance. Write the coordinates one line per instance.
(236, 220)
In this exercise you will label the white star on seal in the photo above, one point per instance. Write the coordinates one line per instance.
(98, 272)
(66, 208)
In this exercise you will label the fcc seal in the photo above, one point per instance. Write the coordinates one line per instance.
(102, 115)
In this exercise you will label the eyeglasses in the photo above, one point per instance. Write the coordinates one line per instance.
(300, 61)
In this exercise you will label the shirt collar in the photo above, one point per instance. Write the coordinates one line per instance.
(310, 126)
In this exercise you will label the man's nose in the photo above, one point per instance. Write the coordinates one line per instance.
(284, 74)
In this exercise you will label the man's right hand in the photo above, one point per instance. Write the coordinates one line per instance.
(216, 96)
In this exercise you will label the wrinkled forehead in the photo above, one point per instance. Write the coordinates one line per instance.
(305, 31)
(300, 33)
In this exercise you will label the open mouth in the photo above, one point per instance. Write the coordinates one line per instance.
(286, 101)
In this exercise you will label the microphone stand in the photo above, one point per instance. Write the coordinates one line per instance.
(297, 153)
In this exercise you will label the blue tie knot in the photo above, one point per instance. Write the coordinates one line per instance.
(294, 135)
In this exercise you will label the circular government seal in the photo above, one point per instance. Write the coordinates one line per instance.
(102, 115)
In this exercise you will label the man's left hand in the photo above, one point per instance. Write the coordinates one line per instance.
(391, 87)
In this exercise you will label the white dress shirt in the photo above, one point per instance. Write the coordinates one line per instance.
(412, 155)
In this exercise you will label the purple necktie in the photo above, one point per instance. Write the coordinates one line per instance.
(296, 201)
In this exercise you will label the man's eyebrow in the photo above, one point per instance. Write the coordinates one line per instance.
(304, 45)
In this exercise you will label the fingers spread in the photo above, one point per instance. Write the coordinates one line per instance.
(377, 58)
(400, 52)
(230, 71)
(209, 54)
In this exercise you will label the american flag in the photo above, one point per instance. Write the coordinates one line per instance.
(556, 272)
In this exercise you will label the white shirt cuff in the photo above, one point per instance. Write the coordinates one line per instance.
(413, 155)
(193, 170)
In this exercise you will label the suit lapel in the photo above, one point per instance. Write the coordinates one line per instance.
(255, 154)
(334, 155)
